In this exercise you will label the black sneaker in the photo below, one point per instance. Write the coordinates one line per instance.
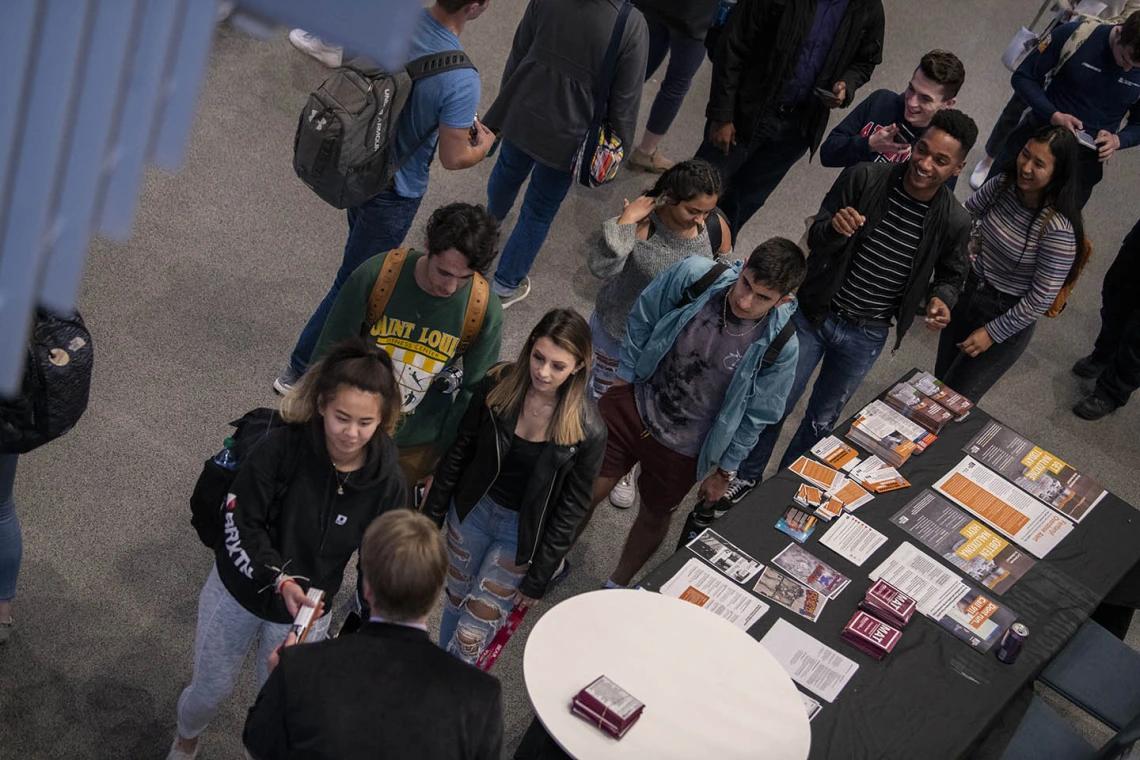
(1088, 368)
(1093, 407)
(737, 490)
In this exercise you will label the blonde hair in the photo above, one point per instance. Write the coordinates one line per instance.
(353, 362)
(404, 560)
(569, 331)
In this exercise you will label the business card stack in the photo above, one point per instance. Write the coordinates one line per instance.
(607, 706)
(936, 390)
(916, 407)
(871, 635)
(888, 604)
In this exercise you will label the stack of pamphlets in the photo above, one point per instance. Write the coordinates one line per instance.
(936, 390)
(886, 433)
(876, 475)
(888, 604)
(607, 706)
(870, 635)
(915, 406)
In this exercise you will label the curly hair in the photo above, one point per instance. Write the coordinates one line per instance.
(469, 229)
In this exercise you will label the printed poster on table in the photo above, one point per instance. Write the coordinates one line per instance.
(1036, 471)
(977, 620)
(964, 542)
(699, 584)
(1004, 506)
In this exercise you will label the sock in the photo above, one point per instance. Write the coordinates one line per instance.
(610, 584)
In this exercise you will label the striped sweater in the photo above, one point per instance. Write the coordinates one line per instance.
(1017, 257)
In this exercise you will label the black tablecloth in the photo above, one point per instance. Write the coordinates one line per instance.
(934, 695)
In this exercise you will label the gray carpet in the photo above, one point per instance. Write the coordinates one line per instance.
(195, 314)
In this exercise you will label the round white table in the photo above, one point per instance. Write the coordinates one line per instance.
(710, 690)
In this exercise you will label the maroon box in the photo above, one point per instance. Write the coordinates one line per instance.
(871, 635)
(887, 603)
(607, 706)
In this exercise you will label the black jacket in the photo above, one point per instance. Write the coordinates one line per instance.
(757, 54)
(556, 499)
(942, 251)
(692, 17)
(284, 512)
(384, 692)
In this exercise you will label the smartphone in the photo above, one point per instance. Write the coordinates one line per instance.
(826, 94)
(1087, 140)
(474, 130)
(418, 494)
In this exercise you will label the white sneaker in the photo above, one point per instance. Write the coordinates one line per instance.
(625, 491)
(312, 45)
(509, 298)
(981, 171)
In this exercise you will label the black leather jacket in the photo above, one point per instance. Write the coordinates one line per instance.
(556, 499)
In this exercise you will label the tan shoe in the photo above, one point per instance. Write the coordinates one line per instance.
(654, 163)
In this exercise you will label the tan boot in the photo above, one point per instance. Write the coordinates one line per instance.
(654, 163)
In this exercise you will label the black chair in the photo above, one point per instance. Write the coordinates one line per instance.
(1045, 735)
(1098, 673)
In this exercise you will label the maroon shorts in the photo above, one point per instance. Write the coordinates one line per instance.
(666, 476)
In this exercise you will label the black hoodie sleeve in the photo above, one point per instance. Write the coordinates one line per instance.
(245, 541)
(458, 455)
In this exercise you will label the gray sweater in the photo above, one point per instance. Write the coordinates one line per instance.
(628, 265)
(545, 99)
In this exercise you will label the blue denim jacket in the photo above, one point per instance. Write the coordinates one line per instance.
(754, 399)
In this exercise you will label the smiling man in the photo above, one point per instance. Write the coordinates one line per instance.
(427, 310)
(885, 126)
(708, 359)
(882, 231)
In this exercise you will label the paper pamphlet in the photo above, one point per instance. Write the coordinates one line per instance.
(724, 556)
(933, 588)
(852, 539)
(1036, 471)
(1004, 506)
(790, 594)
(812, 706)
(836, 453)
(808, 570)
(699, 584)
(850, 493)
(815, 473)
(812, 664)
(970, 546)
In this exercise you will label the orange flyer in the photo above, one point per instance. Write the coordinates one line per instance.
(815, 473)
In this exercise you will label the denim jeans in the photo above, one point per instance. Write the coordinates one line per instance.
(481, 572)
(544, 195)
(754, 167)
(685, 56)
(848, 352)
(974, 376)
(375, 226)
(1118, 305)
(11, 540)
(607, 356)
(225, 632)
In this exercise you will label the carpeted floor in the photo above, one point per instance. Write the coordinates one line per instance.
(193, 317)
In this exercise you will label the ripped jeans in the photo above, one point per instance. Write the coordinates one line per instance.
(481, 577)
(607, 357)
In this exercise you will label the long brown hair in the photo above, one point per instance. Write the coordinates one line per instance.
(569, 331)
(353, 362)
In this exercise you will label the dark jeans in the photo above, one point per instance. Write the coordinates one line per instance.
(1090, 168)
(544, 196)
(1118, 297)
(1121, 378)
(754, 167)
(376, 226)
(973, 376)
(848, 351)
(11, 540)
(1009, 119)
(685, 56)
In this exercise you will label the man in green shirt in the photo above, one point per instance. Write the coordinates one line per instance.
(426, 300)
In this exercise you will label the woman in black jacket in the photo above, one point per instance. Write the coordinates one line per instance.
(516, 481)
(298, 509)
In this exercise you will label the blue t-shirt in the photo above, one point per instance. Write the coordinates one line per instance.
(449, 99)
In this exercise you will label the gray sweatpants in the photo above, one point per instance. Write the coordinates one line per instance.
(223, 638)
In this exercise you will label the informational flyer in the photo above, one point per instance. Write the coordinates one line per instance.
(724, 556)
(815, 473)
(850, 493)
(964, 542)
(1036, 471)
(699, 584)
(790, 594)
(836, 453)
(1004, 506)
(933, 588)
(852, 539)
(812, 664)
(808, 570)
(977, 620)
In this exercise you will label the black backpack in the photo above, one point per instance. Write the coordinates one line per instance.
(342, 149)
(56, 384)
(215, 481)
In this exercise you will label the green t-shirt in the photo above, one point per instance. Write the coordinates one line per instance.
(421, 333)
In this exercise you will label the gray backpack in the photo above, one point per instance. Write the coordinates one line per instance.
(342, 147)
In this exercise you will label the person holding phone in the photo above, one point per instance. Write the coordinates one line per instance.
(515, 483)
(1028, 235)
(297, 511)
(770, 100)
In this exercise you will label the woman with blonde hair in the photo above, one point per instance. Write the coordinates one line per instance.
(297, 510)
(516, 481)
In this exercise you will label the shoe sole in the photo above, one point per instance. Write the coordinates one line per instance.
(514, 298)
(281, 388)
(620, 505)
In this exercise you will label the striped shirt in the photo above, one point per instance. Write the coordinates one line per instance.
(880, 266)
(1017, 256)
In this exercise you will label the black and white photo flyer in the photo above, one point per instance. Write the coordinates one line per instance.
(718, 552)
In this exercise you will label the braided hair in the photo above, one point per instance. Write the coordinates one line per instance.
(686, 181)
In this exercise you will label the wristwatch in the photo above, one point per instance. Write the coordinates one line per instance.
(726, 474)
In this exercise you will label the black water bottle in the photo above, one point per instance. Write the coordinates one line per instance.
(700, 518)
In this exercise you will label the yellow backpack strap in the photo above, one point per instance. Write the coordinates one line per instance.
(385, 285)
(476, 310)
